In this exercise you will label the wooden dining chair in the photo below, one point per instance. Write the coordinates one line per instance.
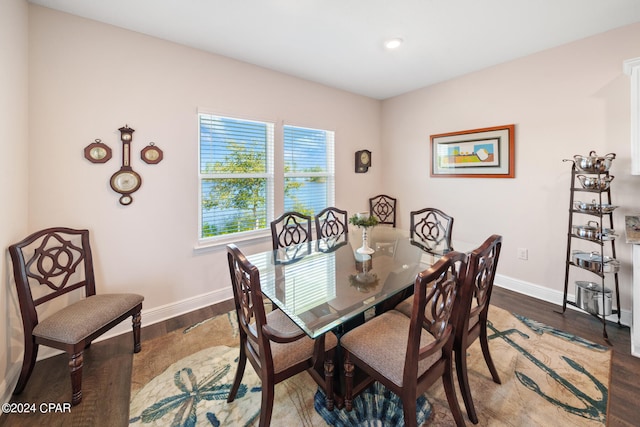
(383, 208)
(408, 355)
(49, 265)
(274, 345)
(290, 228)
(331, 222)
(431, 228)
(472, 325)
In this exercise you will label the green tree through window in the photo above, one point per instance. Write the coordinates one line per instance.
(237, 174)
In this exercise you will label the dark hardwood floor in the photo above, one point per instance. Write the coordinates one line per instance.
(107, 369)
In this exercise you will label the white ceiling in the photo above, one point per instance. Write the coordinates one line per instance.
(339, 42)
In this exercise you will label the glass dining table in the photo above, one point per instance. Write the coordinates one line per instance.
(324, 284)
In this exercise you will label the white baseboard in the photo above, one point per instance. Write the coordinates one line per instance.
(550, 295)
(635, 346)
(155, 315)
(167, 311)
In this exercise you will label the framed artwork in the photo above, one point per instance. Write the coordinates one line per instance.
(476, 153)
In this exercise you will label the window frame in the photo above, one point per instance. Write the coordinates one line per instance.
(269, 175)
(275, 176)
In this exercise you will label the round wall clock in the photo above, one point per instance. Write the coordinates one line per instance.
(97, 152)
(151, 154)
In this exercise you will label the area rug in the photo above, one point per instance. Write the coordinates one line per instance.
(548, 378)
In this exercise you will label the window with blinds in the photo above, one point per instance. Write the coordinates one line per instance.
(308, 169)
(236, 175)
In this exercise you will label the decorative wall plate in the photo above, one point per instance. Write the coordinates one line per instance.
(97, 152)
(151, 154)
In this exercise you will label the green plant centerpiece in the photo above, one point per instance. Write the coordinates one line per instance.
(364, 220)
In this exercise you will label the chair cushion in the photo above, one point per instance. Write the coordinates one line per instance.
(381, 343)
(288, 354)
(77, 321)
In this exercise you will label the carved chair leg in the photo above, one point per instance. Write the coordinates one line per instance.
(409, 409)
(266, 408)
(136, 321)
(484, 344)
(348, 373)
(463, 382)
(242, 362)
(75, 368)
(450, 391)
(28, 362)
(329, 369)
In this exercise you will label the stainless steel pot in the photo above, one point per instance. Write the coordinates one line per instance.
(594, 163)
(590, 298)
(593, 231)
(594, 182)
(594, 207)
(595, 262)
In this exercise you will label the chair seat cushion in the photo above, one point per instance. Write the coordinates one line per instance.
(289, 354)
(381, 343)
(77, 321)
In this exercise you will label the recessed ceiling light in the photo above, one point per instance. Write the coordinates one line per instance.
(393, 43)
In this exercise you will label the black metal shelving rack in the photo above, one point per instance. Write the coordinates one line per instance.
(600, 242)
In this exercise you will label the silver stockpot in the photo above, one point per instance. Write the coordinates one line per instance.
(593, 231)
(594, 163)
(595, 183)
(590, 298)
(595, 262)
(594, 207)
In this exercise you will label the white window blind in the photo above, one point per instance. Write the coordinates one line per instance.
(236, 175)
(309, 169)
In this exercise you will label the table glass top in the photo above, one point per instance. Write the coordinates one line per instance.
(324, 283)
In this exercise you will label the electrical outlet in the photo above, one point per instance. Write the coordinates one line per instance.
(523, 253)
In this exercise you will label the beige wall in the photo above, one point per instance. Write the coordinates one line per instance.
(563, 101)
(84, 80)
(13, 174)
(88, 79)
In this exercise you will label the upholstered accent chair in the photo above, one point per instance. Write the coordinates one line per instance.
(274, 345)
(383, 208)
(408, 355)
(331, 222)
(483, 262)
(431, 228)
(48, 265)
(290, 228)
